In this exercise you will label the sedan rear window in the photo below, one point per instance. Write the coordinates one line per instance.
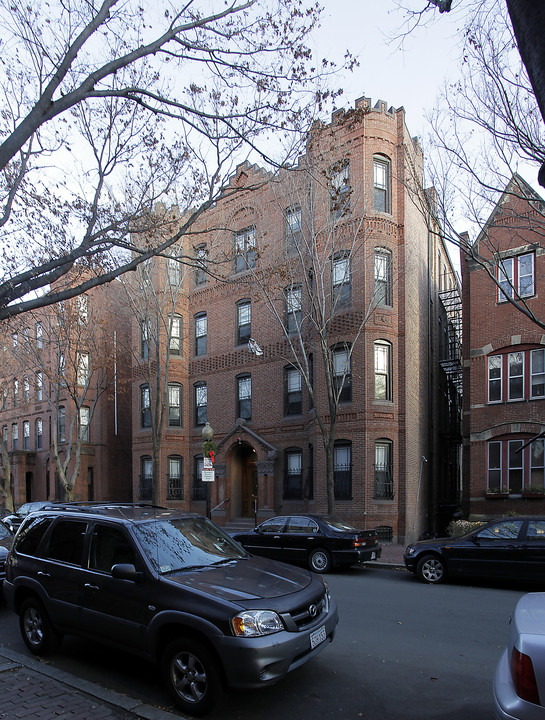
(186, 543)
(508, 530)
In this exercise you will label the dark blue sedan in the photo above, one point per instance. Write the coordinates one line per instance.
(319, 541)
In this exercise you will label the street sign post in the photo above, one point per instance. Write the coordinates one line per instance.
(207, 475)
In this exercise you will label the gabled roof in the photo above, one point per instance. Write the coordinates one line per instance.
(516, 186)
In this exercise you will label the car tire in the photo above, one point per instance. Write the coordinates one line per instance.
(431, 569)
(38, 633)
(192, 676)
(319, 561)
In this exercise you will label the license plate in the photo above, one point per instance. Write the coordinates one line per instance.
(373, 556)
(317, 637)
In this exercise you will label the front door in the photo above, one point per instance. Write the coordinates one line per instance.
(244, 480)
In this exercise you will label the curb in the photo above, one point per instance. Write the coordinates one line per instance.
(10, 659)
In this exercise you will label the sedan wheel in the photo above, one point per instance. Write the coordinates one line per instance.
(431, 569)
(319, 561)
(192, 675)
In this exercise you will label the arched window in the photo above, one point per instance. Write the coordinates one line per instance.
(245, 249)
(384, 479)
(61, 425)
(293, 391)
(200, 403)
(175, 477)
(175, 405)
(175, 338)
(201, 262)
(84, 418)
(293, 474)
(383, 277)
(293, 309)
(340, 279)
(145, 406)
(381, 184)
(342, 372)
(342, 469)
(199, 488)
(39, 434)
(201, 333)
(383, 370)
(244, 396)
(243, 322)
(145, 490)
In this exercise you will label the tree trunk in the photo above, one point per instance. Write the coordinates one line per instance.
(528, 20)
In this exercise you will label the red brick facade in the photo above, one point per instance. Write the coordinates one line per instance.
(393, 465)
(504, 380)
(30, 417)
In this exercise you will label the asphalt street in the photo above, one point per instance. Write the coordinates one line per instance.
(403, 650)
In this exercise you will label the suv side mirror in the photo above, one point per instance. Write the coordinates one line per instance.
(125, 571)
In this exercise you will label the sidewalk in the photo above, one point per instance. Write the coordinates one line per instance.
(31, 689)
(392, 556)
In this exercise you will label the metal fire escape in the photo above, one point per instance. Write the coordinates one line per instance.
(452, 364)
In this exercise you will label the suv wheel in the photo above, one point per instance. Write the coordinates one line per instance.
(192, 675)
(319, 561)
(38, 633)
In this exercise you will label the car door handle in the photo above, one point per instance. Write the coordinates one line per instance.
(88, 586)
(43, 574)
(276, 537)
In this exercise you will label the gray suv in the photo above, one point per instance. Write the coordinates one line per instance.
(170, 586)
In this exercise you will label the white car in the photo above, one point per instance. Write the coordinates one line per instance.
(519, 682)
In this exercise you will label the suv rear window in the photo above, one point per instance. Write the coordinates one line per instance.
(30, 535)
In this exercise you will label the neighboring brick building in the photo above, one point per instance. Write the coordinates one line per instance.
(393, 321)
(504, 356)
(60, 355)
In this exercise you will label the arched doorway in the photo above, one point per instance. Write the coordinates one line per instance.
(243, 473)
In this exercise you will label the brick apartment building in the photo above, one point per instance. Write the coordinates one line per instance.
(75, 352)
(346, 220)
(504, 356)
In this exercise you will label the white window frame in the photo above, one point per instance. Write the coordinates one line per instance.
(531, 288)
(495, 468)
(513, 377)
(512, 468)
(493, 359)
(539, 374)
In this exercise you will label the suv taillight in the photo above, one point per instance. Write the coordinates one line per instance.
(522, 671)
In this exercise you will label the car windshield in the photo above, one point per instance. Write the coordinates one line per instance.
(339, 525)
(186, 543)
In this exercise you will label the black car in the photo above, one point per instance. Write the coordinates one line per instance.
(14, 520)
(6, 540)
(510, 548)
(319, 541)
(169, 586)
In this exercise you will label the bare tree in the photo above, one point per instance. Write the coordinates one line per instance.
(72, 369)
(108, 108)
(486, 131)
(524, 20)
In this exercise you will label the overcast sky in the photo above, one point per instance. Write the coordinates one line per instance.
(410, 77)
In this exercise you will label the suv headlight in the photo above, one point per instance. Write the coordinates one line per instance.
(254, 623)
(410, 550)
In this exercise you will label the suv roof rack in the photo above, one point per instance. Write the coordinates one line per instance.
(97, 506)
